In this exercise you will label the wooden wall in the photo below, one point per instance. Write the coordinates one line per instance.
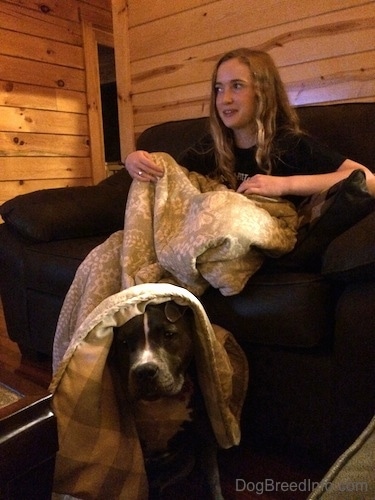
(324, 48)
(44, 135)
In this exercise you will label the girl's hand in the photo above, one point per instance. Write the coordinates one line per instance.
(264, 185)
(141, 167)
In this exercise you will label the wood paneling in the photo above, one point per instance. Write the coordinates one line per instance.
(144, 11)
(28, 144)
(44, 127)
(165, 54)
(120, 16)
(42, 121)
(41, 73)
(291, 44)
(325, 51)
(36, 19)
(40, 167)
(97, 12)
(41, 97)
(221, 20)
(35, 48)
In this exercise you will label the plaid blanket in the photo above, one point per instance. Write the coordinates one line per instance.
(181, 235)
(99, 453)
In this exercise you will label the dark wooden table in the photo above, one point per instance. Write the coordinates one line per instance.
(28, 439)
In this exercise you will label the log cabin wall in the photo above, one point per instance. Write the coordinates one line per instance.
(44, 134)
(324, 49)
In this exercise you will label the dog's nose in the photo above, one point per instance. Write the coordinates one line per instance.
(146, 371)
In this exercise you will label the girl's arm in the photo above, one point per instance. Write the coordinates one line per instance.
(303, 185)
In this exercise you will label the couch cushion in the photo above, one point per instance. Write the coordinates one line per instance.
(74, 212)
(288, 309)
(351, 256)
(344, 127)
(50, 267)
(173, 137)
(347, 128)
(326, 215)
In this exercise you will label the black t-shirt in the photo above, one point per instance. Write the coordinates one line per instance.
(297, 155)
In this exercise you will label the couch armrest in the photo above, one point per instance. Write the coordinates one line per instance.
(351, 256)
(73, 212)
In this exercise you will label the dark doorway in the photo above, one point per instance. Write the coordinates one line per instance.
(108, 92)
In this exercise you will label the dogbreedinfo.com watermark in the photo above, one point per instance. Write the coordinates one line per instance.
(306, 485)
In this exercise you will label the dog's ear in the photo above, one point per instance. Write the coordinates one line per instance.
(173, 311)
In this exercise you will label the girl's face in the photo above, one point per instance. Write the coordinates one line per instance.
(235, 97)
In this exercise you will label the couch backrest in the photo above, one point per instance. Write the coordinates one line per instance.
(348, 128)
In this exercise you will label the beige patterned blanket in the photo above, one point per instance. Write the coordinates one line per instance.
(184, 230)
(195, 232)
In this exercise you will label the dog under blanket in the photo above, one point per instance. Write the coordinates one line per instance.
(99, 451)
(181, 235)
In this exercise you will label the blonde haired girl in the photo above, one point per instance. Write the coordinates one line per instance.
(256, 145)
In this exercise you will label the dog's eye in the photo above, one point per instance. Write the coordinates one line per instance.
(168, 334)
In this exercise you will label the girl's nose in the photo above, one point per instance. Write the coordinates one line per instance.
(227, 96)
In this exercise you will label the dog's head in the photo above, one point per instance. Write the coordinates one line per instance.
(153, 351)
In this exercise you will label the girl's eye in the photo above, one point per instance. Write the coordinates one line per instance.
(218, 89)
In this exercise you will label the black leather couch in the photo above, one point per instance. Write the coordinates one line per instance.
(306, 321)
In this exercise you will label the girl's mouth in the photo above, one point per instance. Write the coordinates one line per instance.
(228, 112)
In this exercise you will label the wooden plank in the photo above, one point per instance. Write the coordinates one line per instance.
(161, 99)
(30, 96)
(356, 66)
(95, 14)
(52, 9)
(340, 87)
(301, 41)
(94, 102)
(44, 74)
(14, 188)
(323, 41)
(99, 4)
(41, 121)
(25, 144)
(34, 22)
(104, 37)
(123, 76)
(31, 167)
(40, 49)
(144, 11)
(216, 21)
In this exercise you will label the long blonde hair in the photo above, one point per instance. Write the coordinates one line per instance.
(273, 114)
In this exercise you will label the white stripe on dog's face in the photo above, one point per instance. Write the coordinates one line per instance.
(147, 354)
